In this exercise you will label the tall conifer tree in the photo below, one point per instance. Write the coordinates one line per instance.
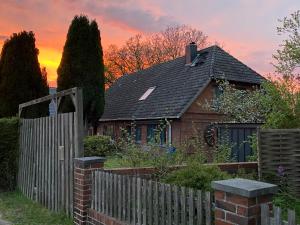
(21, 79)
(82, 66)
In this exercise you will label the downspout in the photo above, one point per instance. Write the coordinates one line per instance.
(169, 134)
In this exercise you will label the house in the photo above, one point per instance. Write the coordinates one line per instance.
(176, 91)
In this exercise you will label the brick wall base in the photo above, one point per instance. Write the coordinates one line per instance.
(235, 209)
(97, 218)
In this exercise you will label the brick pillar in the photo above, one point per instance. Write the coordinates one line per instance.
(83, 186)
(238, 201)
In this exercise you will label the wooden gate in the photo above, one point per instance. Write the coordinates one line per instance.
(238, 136)
(48, 146)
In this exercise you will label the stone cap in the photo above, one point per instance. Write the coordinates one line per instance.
(86, 161)
(244, 187)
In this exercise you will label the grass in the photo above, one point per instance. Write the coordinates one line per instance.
(113, 162)
(16, 208)
(116, 161)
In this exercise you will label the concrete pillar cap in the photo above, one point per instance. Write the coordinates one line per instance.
(85, 161)
(244, 187)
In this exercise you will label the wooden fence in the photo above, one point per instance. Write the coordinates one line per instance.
(280, 147)
(45, 174)
(138, 201)
(276, 219)
(47, 148)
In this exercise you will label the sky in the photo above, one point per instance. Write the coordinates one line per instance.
(244, 28)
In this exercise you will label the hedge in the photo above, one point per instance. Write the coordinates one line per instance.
(98, 146)
(9, 135)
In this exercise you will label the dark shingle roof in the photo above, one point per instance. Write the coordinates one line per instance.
(177, 86)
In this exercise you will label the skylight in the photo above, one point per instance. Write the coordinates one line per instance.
(147, 93)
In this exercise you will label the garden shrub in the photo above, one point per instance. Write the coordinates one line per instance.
(9, 136)
(196, 176)
(98, 146)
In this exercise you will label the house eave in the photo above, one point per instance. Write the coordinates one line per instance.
(135, 119)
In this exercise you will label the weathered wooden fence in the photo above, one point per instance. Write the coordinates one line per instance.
(280, 147)
(276, 219)
(48, 146)
(138, 201)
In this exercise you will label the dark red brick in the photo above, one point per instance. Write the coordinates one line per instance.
(240, 200)
(226, 206)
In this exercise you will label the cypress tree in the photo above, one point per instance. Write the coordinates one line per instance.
(21, 79)
(82, 66)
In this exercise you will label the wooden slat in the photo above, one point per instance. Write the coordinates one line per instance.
(150, 202)
(291, 217)
(156, 204)
(169, 204)
(139, 201)
(199, 207)
(176, 205)
(265, 218)
(162, 203)
(144, 201)
(207, 208)
(277, 215)
(183, 206)
(191, 206)
(134, 200)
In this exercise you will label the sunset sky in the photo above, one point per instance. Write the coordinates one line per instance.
(245, 28)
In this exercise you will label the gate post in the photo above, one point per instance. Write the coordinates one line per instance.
(83, 186)
(238, 201)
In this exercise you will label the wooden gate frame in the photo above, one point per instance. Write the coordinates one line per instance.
(77, 99)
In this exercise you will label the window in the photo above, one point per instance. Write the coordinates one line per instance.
(153, 131)
(128, 130)
(108, 130)
(217, 92)
(147, 93)
(138, 134)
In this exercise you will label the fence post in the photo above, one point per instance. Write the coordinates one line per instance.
(83, 186)
(238, 200)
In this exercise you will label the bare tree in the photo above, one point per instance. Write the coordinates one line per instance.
(140, 52)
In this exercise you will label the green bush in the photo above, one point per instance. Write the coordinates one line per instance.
(196, 176)
(98, 146)
(9, 136)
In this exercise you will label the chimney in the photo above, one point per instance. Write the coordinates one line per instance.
(190, 53)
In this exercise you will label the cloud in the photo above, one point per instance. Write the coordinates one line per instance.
(129, 16)
(3, 37)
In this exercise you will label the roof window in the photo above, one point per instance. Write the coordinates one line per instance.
(147, 93)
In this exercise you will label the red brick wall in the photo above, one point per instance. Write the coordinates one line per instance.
(235, 209)
(83, 186)
(147, 171)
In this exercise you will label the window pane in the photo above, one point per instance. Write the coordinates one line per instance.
(138, 134)
(151, 132)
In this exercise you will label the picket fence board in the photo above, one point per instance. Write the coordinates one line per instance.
(276, 219)
(146, 202)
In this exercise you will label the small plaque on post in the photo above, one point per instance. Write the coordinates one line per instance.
(61, 153)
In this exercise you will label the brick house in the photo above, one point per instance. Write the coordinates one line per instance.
(176, 90)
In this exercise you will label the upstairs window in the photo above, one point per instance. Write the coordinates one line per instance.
(146, 94)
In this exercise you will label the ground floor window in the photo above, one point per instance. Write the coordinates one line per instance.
(138, 134)
(156, 134)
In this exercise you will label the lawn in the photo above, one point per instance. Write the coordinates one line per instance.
(18, 209)
(116, 161)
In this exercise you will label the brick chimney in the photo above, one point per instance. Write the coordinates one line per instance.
(190, 53)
